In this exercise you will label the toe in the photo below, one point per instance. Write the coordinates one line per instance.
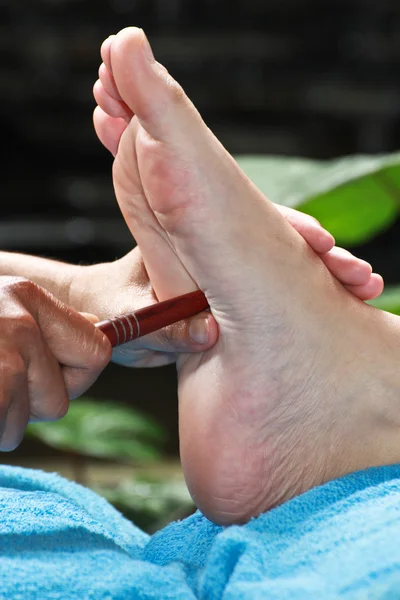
(110, 105)
(370, 290)
(108, 82)
(310, 229)
(349, 269)
(128, 74)
(108, 129)
(145, 85)
(106, 52)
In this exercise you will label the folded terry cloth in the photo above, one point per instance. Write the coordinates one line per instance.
(58, 540)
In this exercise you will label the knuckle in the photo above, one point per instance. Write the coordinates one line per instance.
(174, 337)
(15, 317)
(20, 286)
(12, 369)
(102, 351)
(24, 328)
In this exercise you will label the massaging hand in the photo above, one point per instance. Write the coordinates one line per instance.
(123, 286)
(38, 334)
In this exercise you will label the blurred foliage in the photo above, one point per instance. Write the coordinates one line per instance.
(389, 300)
(150, 504)
(355, 198)
(121, 434)
(102, 430)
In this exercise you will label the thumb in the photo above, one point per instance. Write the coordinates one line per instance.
(197, 334)
(75, 343)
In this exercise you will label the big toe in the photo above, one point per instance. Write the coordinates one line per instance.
(146, 86)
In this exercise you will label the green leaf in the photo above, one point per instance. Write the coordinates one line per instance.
(389, 300)
(354, 197)
(102, 429)
(139, 494)
(156, 500)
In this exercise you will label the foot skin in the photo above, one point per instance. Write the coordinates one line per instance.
(114, 117)
(299, 388)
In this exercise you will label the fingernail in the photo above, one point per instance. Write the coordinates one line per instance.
(148, 52)
(198, 330)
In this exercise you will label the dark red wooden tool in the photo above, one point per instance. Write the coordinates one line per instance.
(146, 320)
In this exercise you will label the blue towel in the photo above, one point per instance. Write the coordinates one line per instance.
(58, 540)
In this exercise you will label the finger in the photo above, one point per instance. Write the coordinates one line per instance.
(192, 335)
(48, 393)
(309, 228)
(25, 357)
(161, 347)
(72, 340)
(16, 420)
(14, 403)
(349, 269)
(370, 290)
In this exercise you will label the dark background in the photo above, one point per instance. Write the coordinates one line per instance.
(314, 78)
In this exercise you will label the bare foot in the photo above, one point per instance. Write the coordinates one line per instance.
(111, 119)
(300, 387)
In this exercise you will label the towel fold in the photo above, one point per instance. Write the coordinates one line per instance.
(59, 540)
